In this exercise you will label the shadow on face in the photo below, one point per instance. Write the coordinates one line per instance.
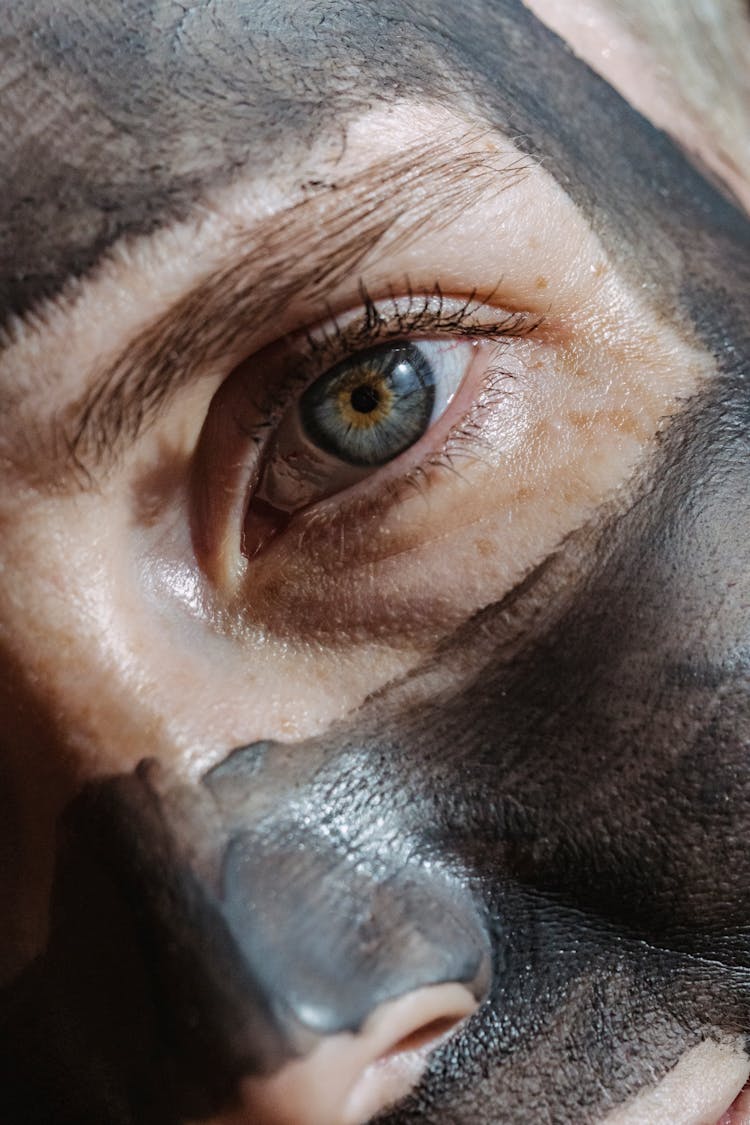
(380, 410)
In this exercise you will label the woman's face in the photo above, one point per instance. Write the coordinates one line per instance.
(380, 408)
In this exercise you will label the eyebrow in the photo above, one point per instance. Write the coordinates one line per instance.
(298, 255)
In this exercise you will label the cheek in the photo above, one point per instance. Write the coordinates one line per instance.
(113, 635)
(107, 659)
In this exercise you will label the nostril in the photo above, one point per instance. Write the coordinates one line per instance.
(410, 1029)
(428, 1036)
(350, 1078)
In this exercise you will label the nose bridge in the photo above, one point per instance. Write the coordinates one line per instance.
(204, 933)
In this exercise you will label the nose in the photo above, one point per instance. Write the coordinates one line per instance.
(238, 966)
(365, 973)
(349, 1078)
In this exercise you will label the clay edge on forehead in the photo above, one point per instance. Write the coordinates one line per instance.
(141, 109)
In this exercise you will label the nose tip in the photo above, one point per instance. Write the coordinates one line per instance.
(331, 944)
(349, 1078)
(365, 975)
(396, 1043)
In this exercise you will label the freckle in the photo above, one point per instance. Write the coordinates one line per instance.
(484, 548)
(620, 421)
(541, 283)
(623, 421)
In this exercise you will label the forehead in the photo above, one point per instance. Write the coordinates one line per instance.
(140, 108)
(121, 116)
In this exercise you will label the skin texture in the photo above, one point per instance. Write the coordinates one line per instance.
(559, 788)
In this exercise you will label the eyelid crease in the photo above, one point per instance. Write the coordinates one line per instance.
(300, 255)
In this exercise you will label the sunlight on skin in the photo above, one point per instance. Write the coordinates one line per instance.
(600, 39)
(136, 624)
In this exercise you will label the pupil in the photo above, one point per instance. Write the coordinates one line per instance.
(365, 399)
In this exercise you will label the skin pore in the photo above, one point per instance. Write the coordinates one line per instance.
(560, 622)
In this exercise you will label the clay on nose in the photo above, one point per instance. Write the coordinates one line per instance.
(349, 1078)
(331, 942)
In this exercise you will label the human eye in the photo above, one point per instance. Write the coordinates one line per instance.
(360, 416)
(329, 432)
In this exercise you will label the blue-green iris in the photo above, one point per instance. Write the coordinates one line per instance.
(370, 408)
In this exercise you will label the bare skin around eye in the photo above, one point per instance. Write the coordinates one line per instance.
(586, 396)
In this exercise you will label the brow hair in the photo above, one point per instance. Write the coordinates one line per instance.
(301, 255)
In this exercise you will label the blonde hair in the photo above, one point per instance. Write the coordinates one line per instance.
(703, 48)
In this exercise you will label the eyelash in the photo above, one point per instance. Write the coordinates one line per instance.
(425, 313)
(412, 315)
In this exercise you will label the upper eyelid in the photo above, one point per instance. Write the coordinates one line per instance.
(409, 312)
(429, 312)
